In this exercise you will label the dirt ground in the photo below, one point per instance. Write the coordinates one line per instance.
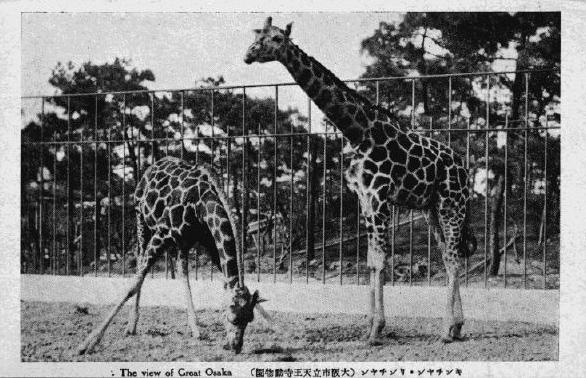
(52, 331)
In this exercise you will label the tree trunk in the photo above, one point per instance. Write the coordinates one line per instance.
(97, 229)
(70, 227)
(495, 222)
(518, 89)
(236, 196)
(313, 187)
(132, 156)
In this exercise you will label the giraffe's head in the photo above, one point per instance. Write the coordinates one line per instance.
(269, 44)
(238, 313)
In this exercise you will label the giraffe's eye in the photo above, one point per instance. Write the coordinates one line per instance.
(278, 39)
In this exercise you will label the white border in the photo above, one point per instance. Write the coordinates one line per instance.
(573, 282)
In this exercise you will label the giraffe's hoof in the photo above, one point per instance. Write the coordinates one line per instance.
(130, 331)
(374, 341)
(453, 333)
(84, 349)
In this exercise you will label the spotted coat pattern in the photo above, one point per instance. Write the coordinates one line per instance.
(179, 207)
(388, 167)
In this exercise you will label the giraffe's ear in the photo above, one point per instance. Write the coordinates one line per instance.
(268, 23)
(265, 315)
(288, 29)
(255, 298)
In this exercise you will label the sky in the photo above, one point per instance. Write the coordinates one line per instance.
(183, 47)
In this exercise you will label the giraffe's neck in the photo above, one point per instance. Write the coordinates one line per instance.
(226, 235)
(229, 264)
(348, 110)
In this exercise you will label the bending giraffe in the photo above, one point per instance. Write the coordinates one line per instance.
(388, 167)
(179, 206)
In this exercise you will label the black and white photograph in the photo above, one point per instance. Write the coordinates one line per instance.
(368, 193)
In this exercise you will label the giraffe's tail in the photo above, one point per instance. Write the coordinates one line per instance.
(469, 244)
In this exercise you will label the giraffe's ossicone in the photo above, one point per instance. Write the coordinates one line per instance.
(180, 206)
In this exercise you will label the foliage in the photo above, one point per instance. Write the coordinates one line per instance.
(102, 143)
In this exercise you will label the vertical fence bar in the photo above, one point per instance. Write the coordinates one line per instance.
(182, 100)
(196, 129)
(323, 207)
(55, 261)
(486, 142)
(394, 218)
(244, 231)
(291, 193)
(410, 247)
(274, 207)
(412, 103)
(228, 153)
(68, 190)
(341, 220)
(152, 98)
(213, 141)
(308, 190)
(505, 195)
(468, 170)
(213, 158)
(124, 185)
(96, 215)
(41, 190)
(181, 152)
(138, 160)
(258, 237)
(228, 194)
(166, 153)
(429, 226)
(109, 149)
(544, 238)
(449, 110)
(411, 211)
(525, 182)
(81, 214)
(166, 132)
(152, 162)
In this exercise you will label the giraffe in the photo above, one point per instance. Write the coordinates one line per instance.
(388, 166)
(180, 206)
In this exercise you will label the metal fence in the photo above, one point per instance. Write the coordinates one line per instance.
(283, 170)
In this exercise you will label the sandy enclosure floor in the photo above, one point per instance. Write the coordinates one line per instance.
(52, 331)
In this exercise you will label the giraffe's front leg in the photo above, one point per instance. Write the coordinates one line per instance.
(372, 302)
(133, 315)
(94, 338)
(377, 260)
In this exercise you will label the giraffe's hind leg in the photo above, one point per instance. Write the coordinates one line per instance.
(183, 264)
(452, 223)
(146, 263)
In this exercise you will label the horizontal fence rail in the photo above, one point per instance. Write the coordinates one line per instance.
(283, 170)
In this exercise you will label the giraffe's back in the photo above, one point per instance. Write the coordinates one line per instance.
(407, 169)
(173, 196)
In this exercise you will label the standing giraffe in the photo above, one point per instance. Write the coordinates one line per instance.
(180, 206)
(388, 167)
